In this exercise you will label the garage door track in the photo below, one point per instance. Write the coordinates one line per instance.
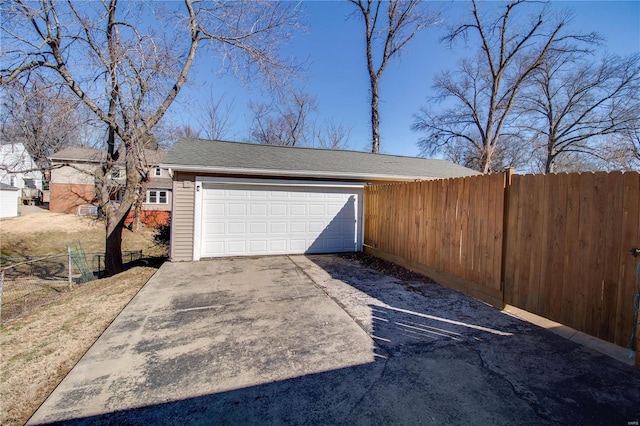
(324, 340)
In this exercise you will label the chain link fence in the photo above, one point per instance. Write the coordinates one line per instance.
(27, 282)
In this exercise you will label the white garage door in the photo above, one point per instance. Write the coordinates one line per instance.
(246, 220)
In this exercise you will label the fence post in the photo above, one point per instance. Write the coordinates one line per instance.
(70, 266)
(508, 175)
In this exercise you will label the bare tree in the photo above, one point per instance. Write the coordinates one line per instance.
(484, 89)
(621, 151)
(573, 102)
(388, 26)
(332, 136)
(284, 122)
(43, 117)
(187, 131)
(631, 138)
(215, 120)
(128, 71)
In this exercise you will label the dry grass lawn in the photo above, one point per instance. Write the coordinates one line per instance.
(44, 232)
(38, 349)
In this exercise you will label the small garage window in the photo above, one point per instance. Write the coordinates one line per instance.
(156, 197)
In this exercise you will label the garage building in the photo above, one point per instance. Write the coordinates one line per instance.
(242, 199)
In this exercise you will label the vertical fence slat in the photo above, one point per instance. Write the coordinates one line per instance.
(613, 234)
(571, 260)
(550, 287)
(597, 241)
(582, 261)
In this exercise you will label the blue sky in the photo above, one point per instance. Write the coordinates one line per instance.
(333, 50)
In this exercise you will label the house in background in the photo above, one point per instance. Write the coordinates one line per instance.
(72, 183)
(18, 170)
(9, 200)
(240, 199)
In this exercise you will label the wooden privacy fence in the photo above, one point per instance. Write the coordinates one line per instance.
(557, 245)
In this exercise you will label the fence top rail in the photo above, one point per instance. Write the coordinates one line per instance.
(37, 259)
(33, 259)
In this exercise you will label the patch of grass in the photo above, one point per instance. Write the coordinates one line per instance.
(40, 345)
(40, 348)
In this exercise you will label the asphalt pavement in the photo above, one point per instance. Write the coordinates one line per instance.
(324, 340)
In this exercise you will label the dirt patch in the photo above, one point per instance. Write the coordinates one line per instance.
(40, 348)
(385, 267)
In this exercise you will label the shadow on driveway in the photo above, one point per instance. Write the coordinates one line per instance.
(469, 351)
(257, 341)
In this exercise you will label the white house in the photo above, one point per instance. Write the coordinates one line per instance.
(17, 169)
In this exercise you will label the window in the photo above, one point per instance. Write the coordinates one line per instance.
(156, 197)
(157, 171)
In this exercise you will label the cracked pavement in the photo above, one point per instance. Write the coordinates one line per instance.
(324, 340)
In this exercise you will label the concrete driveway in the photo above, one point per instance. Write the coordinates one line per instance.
(324, 340)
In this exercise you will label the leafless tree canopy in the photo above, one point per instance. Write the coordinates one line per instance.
(388, 27)
(128, 70)
(43, 117)
(481, 94)
(215, 118)
(285, 122)
(573, 102)
(332, 135)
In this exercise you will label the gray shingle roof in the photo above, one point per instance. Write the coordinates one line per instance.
(98, 155)
(199, 155)
(7, 187)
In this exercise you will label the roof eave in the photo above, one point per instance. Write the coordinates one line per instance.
(292, 173)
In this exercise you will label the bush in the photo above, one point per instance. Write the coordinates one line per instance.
(162, 235)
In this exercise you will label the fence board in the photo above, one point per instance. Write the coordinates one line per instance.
(597, 235)
(613, 235)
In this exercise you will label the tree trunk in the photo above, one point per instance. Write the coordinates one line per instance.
(486, 158)
(113, 250)
(375, 116)
(549, 166)
(136, 225)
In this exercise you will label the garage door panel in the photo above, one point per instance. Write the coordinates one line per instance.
(215, 228)
(297, 245)
(334, 243)
(237, 228)
(347, 226)
(257, 228)
(258, 209)
(297, 227)
(237, 247)
(278, 227)
(316, 227)
(235, 193)
(278, 220)
(297, 209)
(278, 209)
(237, 209)
(278, 246)
(258, 246)
(316, 209)
(215, 248)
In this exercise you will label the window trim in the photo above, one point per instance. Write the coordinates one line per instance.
(157, 172)
(158, 197)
